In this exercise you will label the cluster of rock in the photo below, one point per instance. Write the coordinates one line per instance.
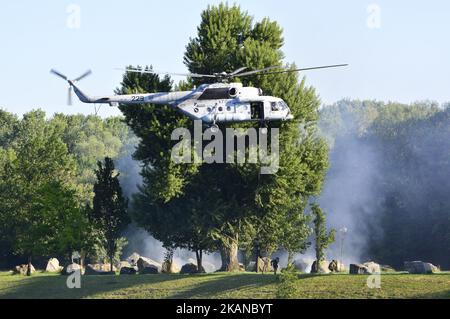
(139, 264)
(366, 268)
(420, 267)
(412, 267)
(100, 269)
(136, 264)
(144, 265)
(23, 269)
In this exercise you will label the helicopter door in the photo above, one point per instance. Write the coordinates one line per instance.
(257, 110)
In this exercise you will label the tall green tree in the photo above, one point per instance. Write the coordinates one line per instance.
(8, 128)
(295, 233)
(322, 237)
(228, 39)
(109, 212)
(36, 159)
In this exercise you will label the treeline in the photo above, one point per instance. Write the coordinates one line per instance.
(392, 163)
(46, 182)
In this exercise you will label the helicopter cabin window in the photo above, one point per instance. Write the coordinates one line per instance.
(214, 94)
(257, 110)
(274, 106)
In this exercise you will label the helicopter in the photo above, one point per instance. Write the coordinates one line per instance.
(219, 102)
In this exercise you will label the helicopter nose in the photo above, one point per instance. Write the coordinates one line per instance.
(289, 116)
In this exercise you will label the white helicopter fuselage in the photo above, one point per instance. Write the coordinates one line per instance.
(219, 102)
(210, 103)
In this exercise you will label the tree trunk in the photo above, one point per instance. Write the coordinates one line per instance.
(257, 256)
(199, 256)
(111, 262)
(29, 266)
(82, 258)
(228, 254)
(290, 258)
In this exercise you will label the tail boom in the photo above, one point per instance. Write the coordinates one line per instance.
(166, 98)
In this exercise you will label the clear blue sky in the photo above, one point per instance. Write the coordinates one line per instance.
(406, 59)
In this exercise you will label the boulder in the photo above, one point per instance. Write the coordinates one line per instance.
(251, 266)
(206, 266)
(53, 265)
(387, 268)
(133, 258)
(124, 264)
(149, 270)
(170, 267)
(263, 265)
(103, 267)
(144, 262)
(70, 268)
(323, 267)
(22, 269)
(333, 266)
(358, 269)
(189, 268)
(420, 267)
(301, 264)
(128, 271)
(336, 266)
(93, 270)
(372, 267)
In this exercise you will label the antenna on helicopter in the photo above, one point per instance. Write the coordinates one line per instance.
(71, 82)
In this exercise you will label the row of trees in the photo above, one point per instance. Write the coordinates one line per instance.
(46, 193)
(404, 212)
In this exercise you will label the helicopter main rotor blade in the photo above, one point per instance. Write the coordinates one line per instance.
(258, 71)
(85, 74)
(58, 74)
(237, 71)
(194, 75)
(287, 70)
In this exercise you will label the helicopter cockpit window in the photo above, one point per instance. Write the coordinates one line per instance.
(214, 94)
(274, 106)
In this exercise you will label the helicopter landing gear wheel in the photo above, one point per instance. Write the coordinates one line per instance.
(263, 128)
(214, 128)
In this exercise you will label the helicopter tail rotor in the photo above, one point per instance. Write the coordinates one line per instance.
(71, 82)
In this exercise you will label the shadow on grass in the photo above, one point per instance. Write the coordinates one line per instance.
(54, 286)
(444, 294)
(221, 284)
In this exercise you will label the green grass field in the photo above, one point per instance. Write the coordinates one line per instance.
(223, 285)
